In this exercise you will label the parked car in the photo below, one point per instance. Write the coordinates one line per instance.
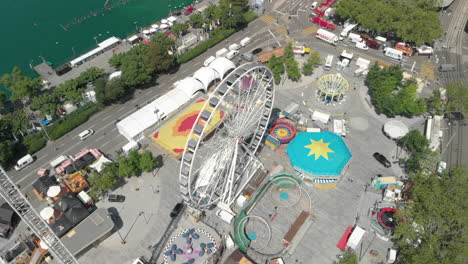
(382, 159)
(85, 134)
(232, 54)
(257, 51)
(23, 162)
(247, 56)
(176, 210)
(116, 198)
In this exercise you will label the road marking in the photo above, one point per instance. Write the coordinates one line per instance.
(150, 91)
(27, 175)
(107, 142)
(114, 128)
(43, 156)
(101, 137)
(172, 78)
(279, 44)
(107, 117)
(120, 109)
(279, 12)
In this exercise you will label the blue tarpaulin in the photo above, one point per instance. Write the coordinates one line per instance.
(45, 122)
(318, 153)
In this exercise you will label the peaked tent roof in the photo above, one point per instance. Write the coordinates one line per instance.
(189, 86)
(205, 75)
(318, 153)
(222, 66)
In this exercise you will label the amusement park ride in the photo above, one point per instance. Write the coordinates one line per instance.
(217, 164)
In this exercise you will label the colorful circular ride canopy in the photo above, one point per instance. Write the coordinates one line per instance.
(386, 217)
(318, 154)
(283, 130)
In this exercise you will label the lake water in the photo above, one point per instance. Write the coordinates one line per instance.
(32, 29)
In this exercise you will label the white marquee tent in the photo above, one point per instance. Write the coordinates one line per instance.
(189, 86)
(205, 75)
(222, 66)
(133, 126)
(98, 165)
(395, 129)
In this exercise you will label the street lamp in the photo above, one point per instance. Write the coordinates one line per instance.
(136, 25)
(95, 39)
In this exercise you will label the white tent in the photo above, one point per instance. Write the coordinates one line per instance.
(189, 86)
(395, 129)
(164, 21)
(172, 19)
(115, 74)
(155, 26)
(205, 75)
(356, 237)
(319, 116)
(222, 66)
(163, 26)
(133, 126)
(98, 165)
(153, 30)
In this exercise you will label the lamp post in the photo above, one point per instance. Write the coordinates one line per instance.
(136, 25)
(95, 39)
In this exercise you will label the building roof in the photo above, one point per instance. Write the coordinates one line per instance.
(205, 75)
(94, 227)
(43, 183)
(190, 85)
(265, 56)
(395, 129)
(237, 257)
(222, 66)
(318, 153)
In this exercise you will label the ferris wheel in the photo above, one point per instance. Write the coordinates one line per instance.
(220, 156)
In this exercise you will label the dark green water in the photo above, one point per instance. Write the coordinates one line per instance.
(31, 28)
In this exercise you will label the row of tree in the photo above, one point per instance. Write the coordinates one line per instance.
(431, 227)
(124, 167)
(419, 23)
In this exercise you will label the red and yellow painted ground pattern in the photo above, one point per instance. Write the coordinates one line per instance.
(173, 136)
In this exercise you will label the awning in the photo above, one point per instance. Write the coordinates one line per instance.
(344, 238)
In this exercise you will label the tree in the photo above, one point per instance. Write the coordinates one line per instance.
(431, 229)
(21, 86)
(457, 96)
(6, 153)
(90, 75)
(232, 13)
(70, 91)
(127, 168)
(414, 142)
(159, 58)
(420, 23)
(314, 59)
(349, 257)
(179, 29)
(162, 40)
(100, 90)
(212, 13)
(288, 52)
(307, 68)
(19, 122)
(46, 103)
(148, 161)
(2, 100)
(277, 68)
(115, 89)
(5, 129)
(197, 20)
(435, 104)
(294, 72)
(107, 178)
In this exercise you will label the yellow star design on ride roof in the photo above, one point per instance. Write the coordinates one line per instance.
(319, 148)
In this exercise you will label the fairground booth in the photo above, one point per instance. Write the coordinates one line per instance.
(320, 158)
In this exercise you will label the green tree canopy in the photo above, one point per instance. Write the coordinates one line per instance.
(90, 75)
(197, 20)
(107, 178)
(314, 59)
(19, 122)
(70, 90)
(307, 68)
(431, 228)
(46, 103)
(232, 13)
(457, 97)
(212, 12)
(127, 167)
(276, 66)
(294, 73)
(179, 29)
(6, 153)
(349, 257)
(391, 95)
(21, 86)
(2, 100)
(419, 23)
(147, 161)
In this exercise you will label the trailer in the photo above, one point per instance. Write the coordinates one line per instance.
(425, 50)
(326, 36)
(407, 51)
(323, 23)
(355, 38)
(301, 50)
(346, 31)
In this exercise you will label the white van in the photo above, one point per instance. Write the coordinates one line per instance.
(391, 255)
(232, 54)
(362, 45)
(225, 216)
(85, 134)
(23, 162)
(130, 146)
(207, 62)
(355, 38)
(221, 52)
(393, 53)
(245, 41)
(328, 63)
(234, 46)
(59, 160)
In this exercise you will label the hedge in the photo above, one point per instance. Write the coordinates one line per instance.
(250, 16)
(218, 35)
(72, 120)
(34, 142)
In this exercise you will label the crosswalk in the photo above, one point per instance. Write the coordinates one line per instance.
(268, 19)
(281, 30)
(427, 70)
(309, 30)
